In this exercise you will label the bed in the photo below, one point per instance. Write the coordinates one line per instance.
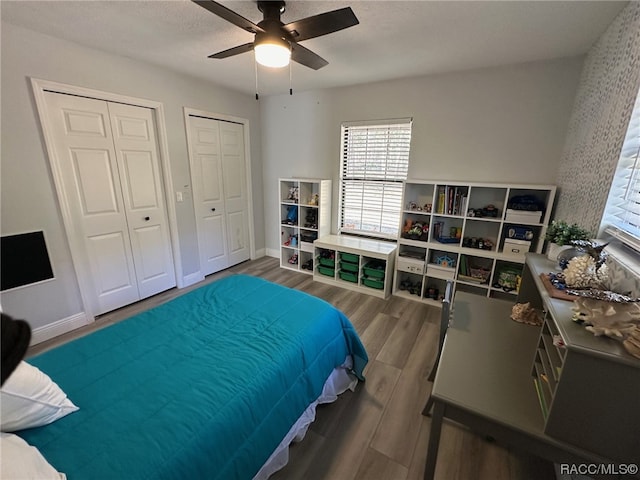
(209, 385)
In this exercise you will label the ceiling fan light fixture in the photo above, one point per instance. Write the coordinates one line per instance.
(273, 52)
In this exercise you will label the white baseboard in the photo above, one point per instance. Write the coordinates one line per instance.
(273, 252)
(60, 327)
(192, 279)
(260, 253)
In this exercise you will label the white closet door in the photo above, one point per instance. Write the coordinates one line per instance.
(109, 163)
(235, 191)
(138, 164)
(81, 132)
(208, 193)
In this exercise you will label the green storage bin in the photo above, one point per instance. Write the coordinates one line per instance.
(349, 267)
(349, 257)
(329, 272)
(327, 262)
(373, 283)
(374, 269)
(349, 277)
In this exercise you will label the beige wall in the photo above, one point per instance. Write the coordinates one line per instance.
(505, 124)
(27, 189)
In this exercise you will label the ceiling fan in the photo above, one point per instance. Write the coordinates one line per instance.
(275, 43)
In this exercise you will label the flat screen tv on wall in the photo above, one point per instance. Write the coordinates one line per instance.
(24, 260)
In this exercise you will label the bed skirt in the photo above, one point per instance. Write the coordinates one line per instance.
(338, 382)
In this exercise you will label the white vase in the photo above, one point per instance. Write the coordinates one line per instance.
(553, 250)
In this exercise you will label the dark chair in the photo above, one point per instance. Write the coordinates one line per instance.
(445, 318)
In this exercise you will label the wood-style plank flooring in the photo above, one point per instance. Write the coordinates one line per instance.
(378, 431)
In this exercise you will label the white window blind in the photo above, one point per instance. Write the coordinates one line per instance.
(622, 213)
(375, 161)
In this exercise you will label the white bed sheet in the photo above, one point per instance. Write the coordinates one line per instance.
(338, 382)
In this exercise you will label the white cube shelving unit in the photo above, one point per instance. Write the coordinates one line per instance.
(305, 215)
(476, 234)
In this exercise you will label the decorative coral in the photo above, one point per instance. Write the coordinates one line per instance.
(605, 318)
(582, 272)
(632, 343)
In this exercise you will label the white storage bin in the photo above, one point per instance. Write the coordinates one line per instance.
(410, 265)
(436, 271)
(516, 248)
(523, 216)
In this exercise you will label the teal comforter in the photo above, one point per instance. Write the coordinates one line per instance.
(202, 387)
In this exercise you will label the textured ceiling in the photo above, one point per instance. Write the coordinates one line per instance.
(394, 38)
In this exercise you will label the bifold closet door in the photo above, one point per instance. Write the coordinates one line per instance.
(113, 192)
(218, 175)
(144, 201)
(235, 191)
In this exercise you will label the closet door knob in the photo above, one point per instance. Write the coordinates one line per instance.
(146, 219)
(213, 209)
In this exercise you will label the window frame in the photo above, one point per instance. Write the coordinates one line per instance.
(349, 165)
(623, 200)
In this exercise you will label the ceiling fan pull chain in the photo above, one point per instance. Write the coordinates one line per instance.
(290, 87)
(255, 64)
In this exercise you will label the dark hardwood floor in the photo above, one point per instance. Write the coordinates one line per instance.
(378, 431)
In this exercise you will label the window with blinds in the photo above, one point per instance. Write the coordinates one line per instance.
(374, 163)
(622, 213)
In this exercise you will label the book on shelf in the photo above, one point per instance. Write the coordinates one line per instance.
(441, 200)
(463, 205)
(464, 269)
(451, 200)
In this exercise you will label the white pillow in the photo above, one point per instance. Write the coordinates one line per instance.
(22, 461)
(29, 398)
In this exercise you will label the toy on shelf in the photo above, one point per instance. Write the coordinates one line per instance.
(479, 243)
(292, 241)
(311, 219)
(490, 211)
(292, 216)
(293, 194)
(412, 287)
(314, 200)
(445, 261)
(415, 230)
(431, 292)
(413, 206)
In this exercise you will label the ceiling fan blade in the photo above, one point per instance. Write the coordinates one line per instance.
(306, 57)
(229, 15)
(247, 47)
(321, 24)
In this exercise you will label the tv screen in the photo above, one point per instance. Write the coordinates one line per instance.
(24, 260)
